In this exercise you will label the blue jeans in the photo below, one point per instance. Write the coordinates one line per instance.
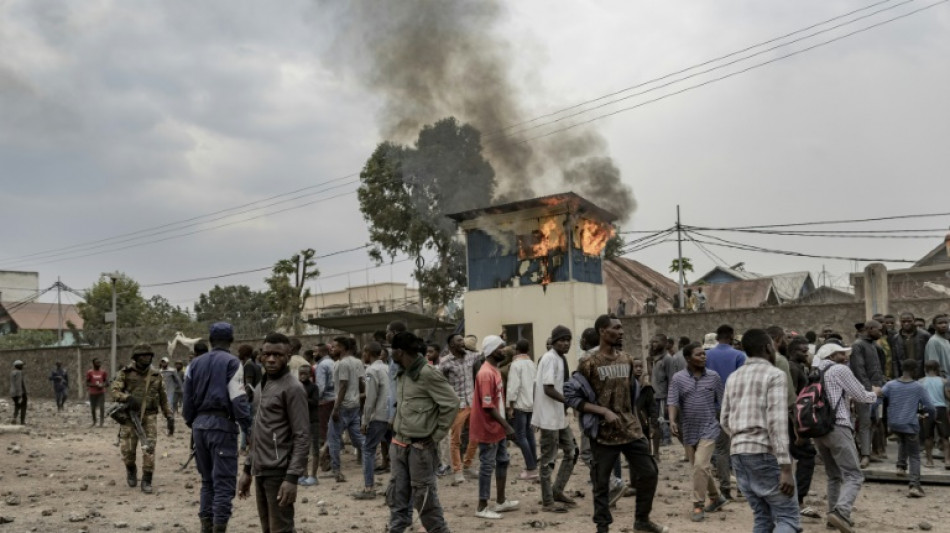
(757, 475)
(216, 457)
(349, 422)
(375, 434)
(524, 436)
(493, 457)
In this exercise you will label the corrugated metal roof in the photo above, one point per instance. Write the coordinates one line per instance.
(41, 316)
(739, 294)
(635, 282)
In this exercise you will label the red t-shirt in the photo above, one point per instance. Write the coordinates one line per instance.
(489, 392)
(96, 376)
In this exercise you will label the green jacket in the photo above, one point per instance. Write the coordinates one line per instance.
(426, 405)
(130, 381)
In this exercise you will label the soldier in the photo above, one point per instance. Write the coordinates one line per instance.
(141, 388)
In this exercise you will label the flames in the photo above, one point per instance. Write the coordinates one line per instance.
(549, 238)
(592, 236)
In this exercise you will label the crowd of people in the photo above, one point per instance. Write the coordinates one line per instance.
(766, 407)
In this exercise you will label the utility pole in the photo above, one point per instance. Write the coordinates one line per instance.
(112, 317)
(59, 310)
(679, 246)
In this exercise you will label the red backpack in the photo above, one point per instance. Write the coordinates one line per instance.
(814, 414)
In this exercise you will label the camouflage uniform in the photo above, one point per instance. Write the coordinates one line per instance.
(132, 382)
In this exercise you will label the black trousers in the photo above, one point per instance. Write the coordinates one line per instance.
(643, 473)
(98, 401)
(19, 408)
(274, 518)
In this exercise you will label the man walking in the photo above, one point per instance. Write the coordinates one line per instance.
(520, 392)
(755, 414)
(801, 449)
(215, 405)
(609, 372)
(173, 384)
(348, 376)
(550, 417)
(694, 394)
(140, 387)
(457, 367)
(280, 439)
(60, 380)
(375, 422)
(837, 449)
(938, 347)
(425, 408)
(866, 366)
(18, 392)
(96, 380)
(723, 359)
(324, 382)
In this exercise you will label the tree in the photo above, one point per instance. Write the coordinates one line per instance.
(614, 247)
(687, 266)
(130, 308)
(27, 338)
(165, 318)
(287, 288)
(406, 193)
(248, 311)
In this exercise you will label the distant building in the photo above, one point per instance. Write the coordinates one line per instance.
(37, 316)
(929, 277)
(16, 286)
(788, 287)
(361, 300)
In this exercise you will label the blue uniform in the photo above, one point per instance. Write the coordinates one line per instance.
(215, 405)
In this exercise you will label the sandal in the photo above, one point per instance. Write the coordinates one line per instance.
(698, 514)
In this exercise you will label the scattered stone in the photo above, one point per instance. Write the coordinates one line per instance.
(76, 517)
(925, 526)
(189, 485)
(111, 483)
(84, 486)
(5, 519)
(12, 499)
(47, 512)
(147, 526)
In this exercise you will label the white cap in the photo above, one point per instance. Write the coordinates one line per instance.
(490, 344)
(164, 359)
(709, 341)
(829, 349)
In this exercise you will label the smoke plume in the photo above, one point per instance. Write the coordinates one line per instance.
(429, 59)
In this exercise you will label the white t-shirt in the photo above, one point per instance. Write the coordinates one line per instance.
(548, 412)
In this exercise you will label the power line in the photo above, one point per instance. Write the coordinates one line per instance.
(846, 221)
(681, 71)
(806, 233)
(750, 248)
(730, 75)
(712, 69)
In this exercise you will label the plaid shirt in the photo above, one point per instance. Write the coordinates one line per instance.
(755, 410)
(841, 385)
(460, 375)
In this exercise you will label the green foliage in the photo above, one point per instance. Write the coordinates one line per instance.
(406, 193)
(248, 311)
(614, 247)
(687, 266)
(288, 293)
(28, 339)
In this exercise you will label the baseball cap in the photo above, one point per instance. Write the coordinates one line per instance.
(830, 348)
(490, 344)
(709, 341)
(221, 331)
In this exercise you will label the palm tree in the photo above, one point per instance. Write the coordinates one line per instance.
(686, 267)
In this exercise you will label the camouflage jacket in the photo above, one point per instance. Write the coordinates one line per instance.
(131, 382)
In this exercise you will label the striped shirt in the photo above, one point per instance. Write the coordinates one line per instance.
(458, 370)
(755, 410)
(904, 398)
(840, 386)
(697, 398)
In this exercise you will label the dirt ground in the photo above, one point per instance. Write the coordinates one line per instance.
(65, 476)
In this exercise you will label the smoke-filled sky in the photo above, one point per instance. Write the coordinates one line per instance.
(117, 118)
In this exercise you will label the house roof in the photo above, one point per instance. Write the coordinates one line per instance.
(739, 294)
(788, 286)
(635, 282)
(734, 272)
(572, 201)
(826, 295)
(40, 316)
(933, 257)
(371, 322)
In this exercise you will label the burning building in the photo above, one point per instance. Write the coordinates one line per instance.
(533, 265)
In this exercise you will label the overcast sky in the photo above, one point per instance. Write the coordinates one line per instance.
(117, 117)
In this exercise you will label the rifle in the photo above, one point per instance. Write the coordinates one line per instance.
(121, 413)
(190, 457)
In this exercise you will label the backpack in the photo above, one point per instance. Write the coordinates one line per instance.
(814, 414)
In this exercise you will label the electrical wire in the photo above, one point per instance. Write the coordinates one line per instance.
(731, 74)
(846, 221)
(751, 248)
(827, 234)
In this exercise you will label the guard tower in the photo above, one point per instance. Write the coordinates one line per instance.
(535, 264)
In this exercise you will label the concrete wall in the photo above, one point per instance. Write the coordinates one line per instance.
(16, 285)
(801, 318)
(572, 304)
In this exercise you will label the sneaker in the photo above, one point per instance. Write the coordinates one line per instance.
(364, 495)
(528, 475)
(648, 526)
(901, 472)
(554, 507)
(629, 492)
(865, 461)
(562, 498)
(471, 472)
(810, 512)
(340, 478)
(841, 523)
(698, 514)
(487, 513)
(443, 470)
(459, 478)
(915, 492)
(305, 481)
(616, 492)
(508, 505)
(715, 505)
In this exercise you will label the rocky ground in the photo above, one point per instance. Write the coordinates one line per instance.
(65, 476)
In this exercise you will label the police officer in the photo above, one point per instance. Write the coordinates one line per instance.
(215, 404)
(142, 389)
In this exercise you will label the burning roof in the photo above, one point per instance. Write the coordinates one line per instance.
(567, 202)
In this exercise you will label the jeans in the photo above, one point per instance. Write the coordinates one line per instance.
(98, 401)
(908, 450)
(314, 447)
(524, 436)
(863, 412)
(757, 475)
(274, 518)
(455, 433)
(412, 484)
(375, 434)
(216, 458)
(349, 422)
(704, 483)
(551, 441)
(721, 458)
(493, 457)
(643, 475)
(841, 465)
